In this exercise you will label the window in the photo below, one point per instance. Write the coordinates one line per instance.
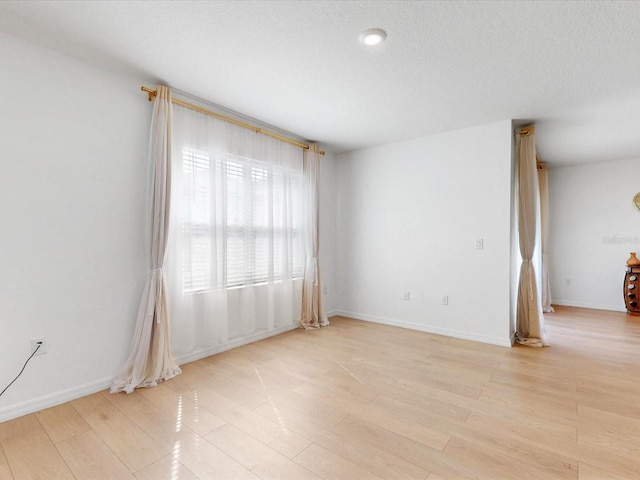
(196, 229)
(254, 208)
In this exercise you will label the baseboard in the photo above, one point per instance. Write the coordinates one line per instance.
(62, 396)
(503, 342)
(331, 313)
(593, 306)
(208, 351)
(53, 399)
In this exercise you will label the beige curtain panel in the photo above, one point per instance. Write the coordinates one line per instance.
(544, 236)
(529, 316)
(312, 314)
(150, 360)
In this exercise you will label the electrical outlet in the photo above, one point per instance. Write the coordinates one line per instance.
(480, 243)
(43, 347)
(445, 300)
(325, 290)
(407, 295)
(568, 282)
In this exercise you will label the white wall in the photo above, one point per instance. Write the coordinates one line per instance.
(327, 214)
(409, 215)
(593, 227)
(72, 256)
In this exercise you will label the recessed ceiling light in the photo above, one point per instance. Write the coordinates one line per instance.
(373, 36)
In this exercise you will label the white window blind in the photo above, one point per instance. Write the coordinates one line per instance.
(256, 206)
(196, 229)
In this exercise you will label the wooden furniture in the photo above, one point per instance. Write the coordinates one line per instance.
(631, 290)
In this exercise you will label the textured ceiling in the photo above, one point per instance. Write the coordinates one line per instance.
(571, 67)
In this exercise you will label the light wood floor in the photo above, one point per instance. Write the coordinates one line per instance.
(362, 401)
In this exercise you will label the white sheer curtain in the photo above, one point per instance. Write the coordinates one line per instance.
(312, 315)
(529, 316)
(236, 252)
(150, 360)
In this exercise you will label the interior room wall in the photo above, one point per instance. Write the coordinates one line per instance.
(73, 254)
(409, 215)
(73, 263)
(328, 232)
(593, 228)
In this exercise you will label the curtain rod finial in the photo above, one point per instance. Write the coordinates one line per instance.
(528, 130)
(152, 93)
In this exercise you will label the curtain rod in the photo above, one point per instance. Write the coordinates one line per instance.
(153, 93)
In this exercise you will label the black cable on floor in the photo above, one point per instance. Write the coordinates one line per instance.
(23, 367)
